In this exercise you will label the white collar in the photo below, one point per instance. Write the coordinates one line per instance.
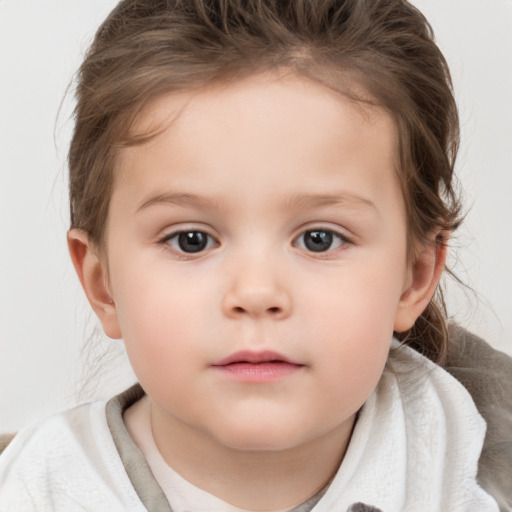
(415, 446)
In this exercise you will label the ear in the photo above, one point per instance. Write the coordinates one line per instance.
(422, 281)
(93, 277)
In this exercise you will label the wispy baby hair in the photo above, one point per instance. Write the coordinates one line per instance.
(374, 51)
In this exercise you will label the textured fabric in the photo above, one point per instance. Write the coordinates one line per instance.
(361, 507)
(487, 375)
(415, 446)
(395, 460)
(66, 463)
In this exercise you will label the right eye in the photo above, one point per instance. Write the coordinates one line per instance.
(189, 242)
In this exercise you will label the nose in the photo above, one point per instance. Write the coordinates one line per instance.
(255, 290)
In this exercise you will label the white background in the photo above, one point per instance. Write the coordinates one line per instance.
(44, 320)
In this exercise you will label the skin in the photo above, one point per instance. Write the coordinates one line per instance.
(254, 165)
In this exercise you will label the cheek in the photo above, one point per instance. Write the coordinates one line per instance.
(351, 359)
(351, 330)
(160, 320)
(359, 299)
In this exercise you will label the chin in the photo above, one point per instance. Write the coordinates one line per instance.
(267, 437)
(257, 444)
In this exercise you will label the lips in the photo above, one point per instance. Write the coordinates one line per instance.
(247, 356)
(257, 367)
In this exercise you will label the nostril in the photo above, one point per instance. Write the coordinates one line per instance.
(272, 310)
(254, 302)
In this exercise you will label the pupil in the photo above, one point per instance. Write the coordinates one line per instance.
(192, 241)
(318, 241)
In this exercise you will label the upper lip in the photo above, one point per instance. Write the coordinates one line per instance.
(249, 356)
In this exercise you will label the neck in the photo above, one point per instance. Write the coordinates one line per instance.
(250, 479)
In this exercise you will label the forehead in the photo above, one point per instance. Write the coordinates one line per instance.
(293, 125)
(263, 90)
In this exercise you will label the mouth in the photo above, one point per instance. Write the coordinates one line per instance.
(248, 356)
(248, 366)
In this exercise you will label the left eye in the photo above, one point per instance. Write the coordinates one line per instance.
(319, 240)
(190, 241)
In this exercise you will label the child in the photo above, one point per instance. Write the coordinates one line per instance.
(261, 199)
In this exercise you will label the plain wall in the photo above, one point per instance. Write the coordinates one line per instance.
(44, 319)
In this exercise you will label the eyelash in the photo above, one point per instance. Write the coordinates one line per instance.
(204, 241)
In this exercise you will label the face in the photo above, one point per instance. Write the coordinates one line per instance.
(256, 253)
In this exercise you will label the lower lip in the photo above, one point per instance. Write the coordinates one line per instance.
(259, 372)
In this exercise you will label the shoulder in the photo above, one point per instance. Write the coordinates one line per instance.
(487, 375)
(62, 461)
(470, 358)
(34, 461)
(54, 434)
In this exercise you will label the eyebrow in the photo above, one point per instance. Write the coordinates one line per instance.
(179, 199)
(305, 201)
(296, 202)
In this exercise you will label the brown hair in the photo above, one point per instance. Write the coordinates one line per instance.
(146, 48)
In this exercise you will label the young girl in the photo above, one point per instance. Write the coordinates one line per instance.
(261, 200)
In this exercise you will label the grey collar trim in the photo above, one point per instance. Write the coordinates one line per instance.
(137, 468)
